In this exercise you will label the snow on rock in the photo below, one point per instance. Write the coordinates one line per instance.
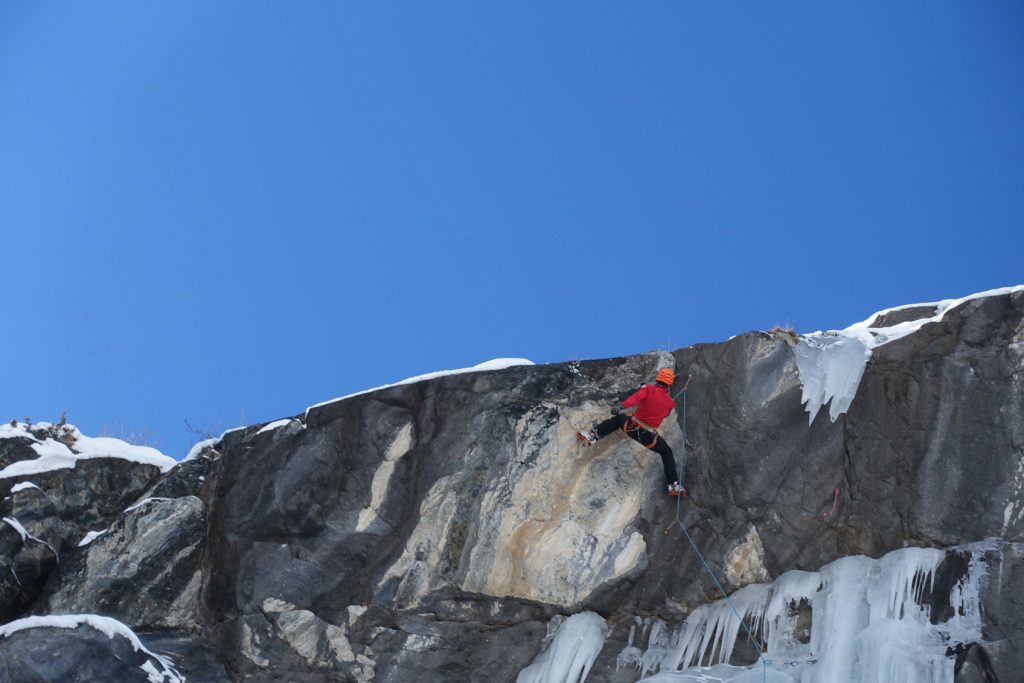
(202, 446)
(871, 622)
(832, 363)
(56, 455)
(568, 656)
(145, 501)
(22, 531)
(90, 537)
(495, 364)
(26, 535)
(105, 447)
(23, 486)
(11, 431)
(271, 426)
(158, 669)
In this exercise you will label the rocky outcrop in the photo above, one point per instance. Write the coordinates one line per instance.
(15, 449)
(76, 648)
(435, 530)
(77, 539)
(48, 514)
(144, 570)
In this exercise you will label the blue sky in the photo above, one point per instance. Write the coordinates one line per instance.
(225, 212)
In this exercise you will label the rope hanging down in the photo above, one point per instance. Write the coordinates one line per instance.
(761, 649)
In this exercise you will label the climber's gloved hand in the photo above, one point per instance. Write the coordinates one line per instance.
(617, 409)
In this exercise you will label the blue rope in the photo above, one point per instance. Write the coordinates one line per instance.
(679, 521)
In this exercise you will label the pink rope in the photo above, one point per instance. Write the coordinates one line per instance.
(835, 501)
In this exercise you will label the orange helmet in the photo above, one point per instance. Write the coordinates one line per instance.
(665, 376)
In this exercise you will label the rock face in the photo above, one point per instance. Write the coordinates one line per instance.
(57, 509)
(390, 501)
(144, 570)
(432, 531)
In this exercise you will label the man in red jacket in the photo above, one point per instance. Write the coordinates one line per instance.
(650, 406)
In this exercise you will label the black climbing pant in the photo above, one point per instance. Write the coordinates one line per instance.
(645, 437)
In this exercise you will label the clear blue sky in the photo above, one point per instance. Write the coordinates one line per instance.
(218, 209)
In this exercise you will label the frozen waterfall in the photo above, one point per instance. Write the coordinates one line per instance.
(870, 621)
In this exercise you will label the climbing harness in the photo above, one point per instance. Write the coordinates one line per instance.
(761, 648)
(633, 425)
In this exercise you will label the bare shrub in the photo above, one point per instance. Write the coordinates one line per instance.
(137, 436)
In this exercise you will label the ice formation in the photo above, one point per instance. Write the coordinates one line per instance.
(568, 656)
(830, 370)
(832, 363)
(870, 622)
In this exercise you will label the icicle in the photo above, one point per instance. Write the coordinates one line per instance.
(900, 584)
(831, 367)
(687, 638)
(965, 597)
(571, 653)
(868, 624)
(840, 614)
(657, 646)
(779, 622)
(631, 654)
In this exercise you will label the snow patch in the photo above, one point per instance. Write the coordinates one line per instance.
(24, 485)
(55, 455)
(568, 656)
(495, 364)
(166, 672)
(90, 537)
(17, 430)
(832, 363)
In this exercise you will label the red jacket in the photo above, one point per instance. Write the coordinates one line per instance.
(653, 404)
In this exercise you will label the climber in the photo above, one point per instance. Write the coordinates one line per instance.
(639, 416)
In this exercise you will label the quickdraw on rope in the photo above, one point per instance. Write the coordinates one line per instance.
(760, 647)
(835, 501)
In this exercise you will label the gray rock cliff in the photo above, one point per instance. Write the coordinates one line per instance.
(434, 531)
